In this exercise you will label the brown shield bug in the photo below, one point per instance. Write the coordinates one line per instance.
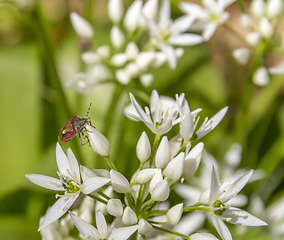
(74, 126)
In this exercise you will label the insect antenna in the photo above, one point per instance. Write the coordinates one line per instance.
(87, 115)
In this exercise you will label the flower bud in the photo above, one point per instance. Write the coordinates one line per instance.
(245, 20)
(131, 50)
(81, 26)
(274, 8)
(90, 58)
(144, 59)
(253, 38)
(174, 169)
(122, 76)
(118, 59)
(129, 217)
(146, 79)
(192, 161)
(202, 236)
(115, 10)
(161, 191)
(143, 148)
(116, 36)
(103, 51)
(163, 155)
(145, 175)
(261, 77)
(144, 227)
(98, 141)
(241, 55)
(265, 27)
(158, 177)
(119, 183)
(174, 214)
(132, 15)
(187, 127)
(114, 207)
(257, 8)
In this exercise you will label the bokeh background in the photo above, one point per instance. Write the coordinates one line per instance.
(35, 37)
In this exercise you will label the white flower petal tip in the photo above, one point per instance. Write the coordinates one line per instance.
(98, 141)
(119, 183)
(202, 236)
(241, 55)
(261, 77)
(81, 26)
(174, 214)
(144, 227)
(143, 148)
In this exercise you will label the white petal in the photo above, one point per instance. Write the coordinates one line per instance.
(241, 55)
(131, 113)
(257, 8)
(221, 228)
(174, 169)
(170, 52)
(241, 217)
(261, 77)
(139, 110)
(215, 185)
(90, 58)
(211, 123)
(143, 148)
(62, 161)
(81, 26)
(114, 207)
(74, 166)
(189, 7)
(145, 175)
(150, 9)
(246, 20)
(209, 31)
(118, 59)
(235, 187)
(115, 10)
(131, 18)
(278, 69)
(46, 181)
(174, 214)
(58, 209)
(274, 8)
(186, 39)
(164, 14)
(265, 27)
(154, 105)
(190, 223)
(165, 127)
(146, 79)
(144, 227)
(131, 50)
(163, 154)
(182, 24)
(119, 183)
(202, 236)
(159, 60)
(84, 228)
(155, 180)
(93, 183)
(253, 38)
(123, 233)
(122, 76)
(116, 36)
(144, 60)
(161, 191)
(86, 173)
(187, 127)
(103, 51)
(101, 224)
(129, 217)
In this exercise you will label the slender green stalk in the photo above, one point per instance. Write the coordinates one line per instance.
(130, 200)
(155, 147)
(103, 195)
(98, 199)
(234, 32)
(144, 237)
(110, 163)
(171, 232)
(242, 6)
(159, 223)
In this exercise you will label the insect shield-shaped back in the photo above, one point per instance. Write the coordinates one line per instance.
(72, 127)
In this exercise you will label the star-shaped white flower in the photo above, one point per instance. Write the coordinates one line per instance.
(69, 181)
(167, 32)
(102, 232)
(161, 116)
(218, 195)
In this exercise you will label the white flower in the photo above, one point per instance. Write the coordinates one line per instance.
(144, 227)
(261, 76)
(166, 32)
(174, 169)
(163, 154)
(161, 191)
(162, 110)
(115, 10)
(114, 207)
(119, 183)
(116, 36)
(143, 148)
(69, 181)
(81, 26)
(274, 8)
(132, 16)
(101, 232)
(146, 79)
(246, 20)
(211, 16)
(278, 69)
(174, 214)
(265, 28)
(242, 55)
(129, 217)
(145, 175)
(98, 141)
(218, 195)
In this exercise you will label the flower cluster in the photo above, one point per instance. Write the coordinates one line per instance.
(162, 167)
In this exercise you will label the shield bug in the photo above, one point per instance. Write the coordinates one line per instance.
(74, 126)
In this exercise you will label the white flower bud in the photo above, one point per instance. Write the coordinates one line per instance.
(192, 161)
(144, 227)
(265, 27)
(114, 207)
(115, 10)
(278, 69)
(145, 175)
(274, 8)
(90, 58)
(118, 59)
(131, 50)
(99, 72)
(261, 77)
(174, 214)
(187, 127)
(161, 191)
(241, 55)
(116, 36)
(253, 38)
(245, 20)
(129, 217)
(119, 183)
(179, 52)
(146, 79)
(103, 51)
(98, 141)
(144, 59)
(174, 169)
(122, 76)
(159, 60)
(202, 236)
(158, 177)
(143, 148)
(150, 9)
(81, 26)
(163, 155)
(132, 15)
(132, 69)
(257, 8)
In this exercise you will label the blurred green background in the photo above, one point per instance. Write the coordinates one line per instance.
(32, 109)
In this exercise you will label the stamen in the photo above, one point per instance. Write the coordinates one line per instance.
(147, 111)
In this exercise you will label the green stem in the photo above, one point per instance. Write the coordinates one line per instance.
(234, 32)
(98, 199)
(183, 146)
(110, 163)
(242, 6)
(144, 237)
(171, 232)
(130, 200)
(155, 147)
(104, 195)
(158, 223)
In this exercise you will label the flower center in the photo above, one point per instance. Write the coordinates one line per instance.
(72, 187)
(220, 206)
